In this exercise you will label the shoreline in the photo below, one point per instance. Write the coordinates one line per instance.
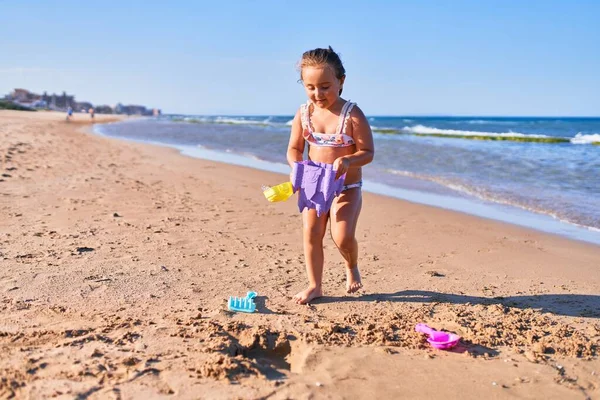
(118, 259)
(466, 204)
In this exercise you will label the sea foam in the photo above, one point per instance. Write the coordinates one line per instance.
(426, 130)
(586, 139)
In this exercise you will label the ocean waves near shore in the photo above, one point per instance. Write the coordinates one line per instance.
(545, 165)
(421, 130)
(548, 131)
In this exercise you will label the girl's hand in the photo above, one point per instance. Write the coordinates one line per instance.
(341, 166)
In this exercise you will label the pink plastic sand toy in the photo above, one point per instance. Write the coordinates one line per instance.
(438, 339)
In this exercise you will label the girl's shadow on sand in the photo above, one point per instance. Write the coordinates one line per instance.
(574, 305)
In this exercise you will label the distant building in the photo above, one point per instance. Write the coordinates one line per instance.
(39, 104)
(83, 106)
(25, 98)
(61, 102)
(23, 95)
(132, 109)
(137, 110)
(103, 109)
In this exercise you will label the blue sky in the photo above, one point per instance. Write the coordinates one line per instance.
(238, 57)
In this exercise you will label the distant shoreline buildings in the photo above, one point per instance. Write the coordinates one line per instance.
(61, 102)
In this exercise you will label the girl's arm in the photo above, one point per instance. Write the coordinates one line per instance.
(295, 149)
(365, 148)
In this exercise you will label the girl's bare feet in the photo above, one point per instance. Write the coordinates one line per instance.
(308, 295)
(353, 282)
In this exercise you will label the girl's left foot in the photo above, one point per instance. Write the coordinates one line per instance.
(353, 282)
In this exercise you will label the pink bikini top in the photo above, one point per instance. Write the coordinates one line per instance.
(337, 139)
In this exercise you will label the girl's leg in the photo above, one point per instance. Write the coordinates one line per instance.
(344, 218)
(313, 232)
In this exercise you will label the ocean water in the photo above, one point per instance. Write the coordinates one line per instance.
(519, 166)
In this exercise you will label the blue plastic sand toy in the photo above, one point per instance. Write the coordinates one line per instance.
(242, 304)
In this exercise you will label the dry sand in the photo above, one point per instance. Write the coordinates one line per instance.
(117, 259)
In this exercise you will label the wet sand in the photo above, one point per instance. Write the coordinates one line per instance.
(118, 258)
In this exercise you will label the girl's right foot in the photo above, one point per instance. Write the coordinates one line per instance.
(308, 295)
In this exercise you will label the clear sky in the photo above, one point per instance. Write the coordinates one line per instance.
(505, 57)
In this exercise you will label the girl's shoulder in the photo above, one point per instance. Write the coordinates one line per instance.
(304, 106)
(303, 114)
(357, 115)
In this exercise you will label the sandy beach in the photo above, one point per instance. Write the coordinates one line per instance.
(117, 259)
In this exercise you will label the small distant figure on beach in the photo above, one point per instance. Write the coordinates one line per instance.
(338, 136)
(69, 113)
(91, 111)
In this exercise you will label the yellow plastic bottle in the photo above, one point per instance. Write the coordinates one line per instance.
(281, 192)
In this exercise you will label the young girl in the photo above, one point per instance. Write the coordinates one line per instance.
(336, 132)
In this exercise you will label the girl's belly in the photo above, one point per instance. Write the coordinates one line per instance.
(329, 154)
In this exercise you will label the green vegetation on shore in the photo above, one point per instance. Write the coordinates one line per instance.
(387, 131)
(533, 139)
(501, 138)
(9, 105)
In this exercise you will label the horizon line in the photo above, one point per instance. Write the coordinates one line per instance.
(398, 115)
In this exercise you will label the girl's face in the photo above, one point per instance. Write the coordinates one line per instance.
(321, 85)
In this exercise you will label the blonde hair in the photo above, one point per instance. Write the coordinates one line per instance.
(323, 57)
